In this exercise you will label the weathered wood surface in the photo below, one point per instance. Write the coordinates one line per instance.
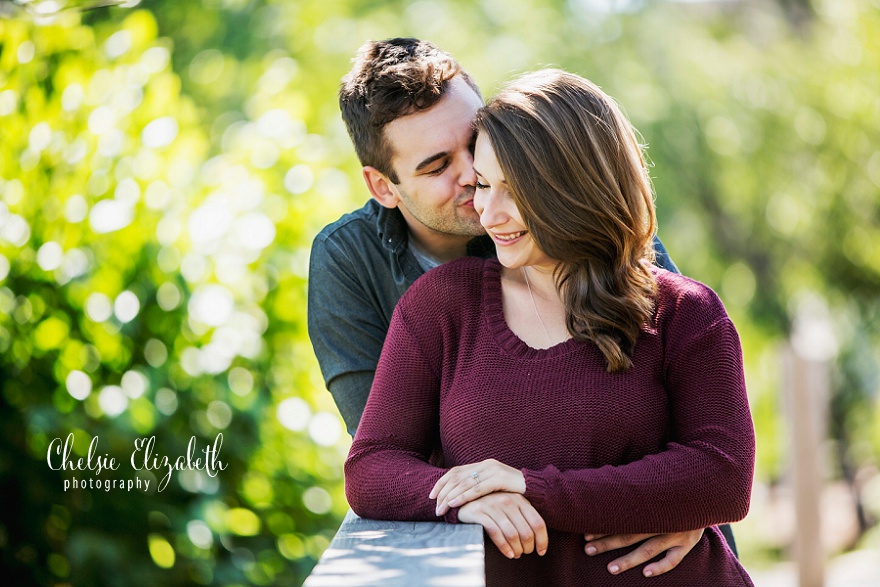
(408, 554)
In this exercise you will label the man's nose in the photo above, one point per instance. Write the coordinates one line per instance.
(467, 176)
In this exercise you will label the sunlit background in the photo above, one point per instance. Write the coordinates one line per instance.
(164, 167)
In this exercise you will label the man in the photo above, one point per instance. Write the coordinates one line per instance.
(409, 108)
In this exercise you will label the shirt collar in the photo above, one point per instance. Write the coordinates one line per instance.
(392, 229)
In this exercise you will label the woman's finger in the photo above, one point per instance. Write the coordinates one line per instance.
(513, 525)
(538, 526)
(496, 535)
(460, 495)
(463, 490)
(454, 477)
(468, 483)
(527, 535)
(510, 531)
(442, 482)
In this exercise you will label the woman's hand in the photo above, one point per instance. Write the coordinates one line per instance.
(511, 522)
(464, 484)
(675, 545)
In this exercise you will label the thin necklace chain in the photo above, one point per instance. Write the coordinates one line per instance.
(535, 306)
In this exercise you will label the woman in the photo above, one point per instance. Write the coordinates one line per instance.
(572, 387)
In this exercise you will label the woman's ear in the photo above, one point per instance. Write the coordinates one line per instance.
(381, 187)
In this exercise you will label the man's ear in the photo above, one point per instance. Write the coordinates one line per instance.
(381, 187)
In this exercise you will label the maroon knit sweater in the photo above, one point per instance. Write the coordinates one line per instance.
(665, 446)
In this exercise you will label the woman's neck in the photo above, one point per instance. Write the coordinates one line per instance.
(542, 282)
(533, 308)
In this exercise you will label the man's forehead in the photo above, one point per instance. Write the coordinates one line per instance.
(446, 126)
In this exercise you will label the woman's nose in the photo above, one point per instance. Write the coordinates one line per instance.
(490, 214)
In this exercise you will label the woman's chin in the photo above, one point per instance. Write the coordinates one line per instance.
(510, 263)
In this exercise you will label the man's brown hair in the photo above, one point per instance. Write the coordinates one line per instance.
(390, 79)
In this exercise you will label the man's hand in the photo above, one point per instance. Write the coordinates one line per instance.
(676, 546)
(511, 522)
(466, 483)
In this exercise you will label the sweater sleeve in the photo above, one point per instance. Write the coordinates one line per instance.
(387, 474)
(702, 477)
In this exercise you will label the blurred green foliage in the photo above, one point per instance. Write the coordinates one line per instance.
(164, 167)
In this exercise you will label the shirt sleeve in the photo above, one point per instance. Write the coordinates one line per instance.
(702, 478)
(345, 327)
(387, 474)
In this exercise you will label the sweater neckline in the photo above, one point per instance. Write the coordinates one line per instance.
(493, 314)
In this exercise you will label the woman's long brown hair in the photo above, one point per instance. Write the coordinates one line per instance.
(577, 174)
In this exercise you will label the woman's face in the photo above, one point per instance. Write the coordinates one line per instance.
(499, 214)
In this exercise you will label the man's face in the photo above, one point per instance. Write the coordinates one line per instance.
(434, 162)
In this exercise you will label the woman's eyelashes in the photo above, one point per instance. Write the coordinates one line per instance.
(481, 186)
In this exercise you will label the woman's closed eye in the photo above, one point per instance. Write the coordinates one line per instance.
(481, 186)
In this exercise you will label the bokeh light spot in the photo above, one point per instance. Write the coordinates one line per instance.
(291, 546)
(200, 534)
(242, 521)
(159, 133)
(254, 231)
(118, 44)
(40, 137)
(168, 296)
(294, 414)
(26, 52)
(76, 208)
(134, 384)
(98, 307)
(126, 307)
(219, 414)
(79, 385)
(299, 179)
(8, 102)
(110, 215)
(166, 401)
(112, 400)
(161, 551)
(317, 500)
(49, 256)
(72, 97)
(325, 429)
(241, 381)
(155, 353)
(211, 304)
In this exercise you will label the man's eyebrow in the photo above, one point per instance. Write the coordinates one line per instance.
(430, 160)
